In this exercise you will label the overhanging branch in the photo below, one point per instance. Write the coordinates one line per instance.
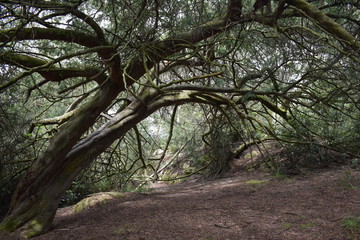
(47, 70)
(326, 23)
(50, 121)
(65, 35)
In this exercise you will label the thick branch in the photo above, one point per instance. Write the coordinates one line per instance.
(234, 9)
(91, 23)
(65, 35)
(160, 50)
(326, 23)
(49, 121)
(49, 5)
(70, 156)
(202, 88)
(46, 70)
(249, 95)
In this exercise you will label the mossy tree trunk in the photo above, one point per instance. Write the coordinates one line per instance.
(36, 198)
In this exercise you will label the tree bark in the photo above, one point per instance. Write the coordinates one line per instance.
(327, 23)
(35, 201)
(36, 198)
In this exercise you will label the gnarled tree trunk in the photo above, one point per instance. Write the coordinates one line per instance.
(35, 202)
(36, 198)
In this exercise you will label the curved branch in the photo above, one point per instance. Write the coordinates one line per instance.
(50, 121)
(35, 33)
(91, 23)
(49, 5)
(202, 88)
(326, 23)
(160, 50)
(248, 95)
(69, 156)
(134, 113)
(46, 70)
(268, 104)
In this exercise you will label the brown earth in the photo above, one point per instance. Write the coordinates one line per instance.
(246, 205)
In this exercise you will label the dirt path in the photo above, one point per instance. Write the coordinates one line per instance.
(245, 206)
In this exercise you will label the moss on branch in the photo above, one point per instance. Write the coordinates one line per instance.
(73, 36)
(46, 70)
(326, 23)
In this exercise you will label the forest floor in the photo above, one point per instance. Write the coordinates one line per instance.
(244, 205)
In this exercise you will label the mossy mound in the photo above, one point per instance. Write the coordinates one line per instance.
(256, 182)
(96, 199)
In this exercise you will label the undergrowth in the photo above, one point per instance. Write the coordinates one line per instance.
(352, 227)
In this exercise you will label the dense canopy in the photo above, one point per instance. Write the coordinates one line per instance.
(83, 81)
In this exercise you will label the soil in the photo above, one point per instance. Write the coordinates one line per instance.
(244, 205)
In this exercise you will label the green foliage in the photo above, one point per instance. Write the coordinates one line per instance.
(348, 181)
(96, 199)
(125, 229)
(219, 141)
(287, 226)
(170, 177)
(302, 226)
(352, 226)
(354, 163)
(279, 176)
(307, 225)
(256, 182)
(7, 188)
(295, 158)
(16, 146)
(293, 67)
(77, 192)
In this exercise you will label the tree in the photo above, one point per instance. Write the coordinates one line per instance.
(114, 63)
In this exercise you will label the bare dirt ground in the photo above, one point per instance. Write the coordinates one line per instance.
(246, 205)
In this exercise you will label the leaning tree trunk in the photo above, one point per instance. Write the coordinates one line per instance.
(36, 198)
(36, 211)
(34, 203)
